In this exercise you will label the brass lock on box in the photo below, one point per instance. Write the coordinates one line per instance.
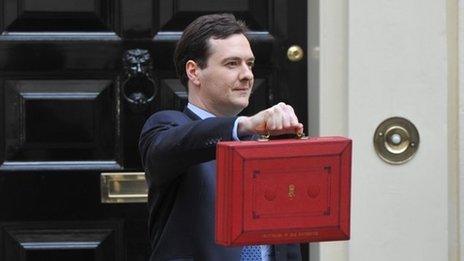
(396, 140)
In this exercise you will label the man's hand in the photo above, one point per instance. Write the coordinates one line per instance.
(276, 120)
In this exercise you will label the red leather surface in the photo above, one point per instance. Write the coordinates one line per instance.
(283, 191)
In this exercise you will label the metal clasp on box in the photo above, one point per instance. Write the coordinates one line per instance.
(123, 187)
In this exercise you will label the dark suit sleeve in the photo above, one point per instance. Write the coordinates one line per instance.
(171, 142)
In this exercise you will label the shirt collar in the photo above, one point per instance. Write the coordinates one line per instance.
(200, 112)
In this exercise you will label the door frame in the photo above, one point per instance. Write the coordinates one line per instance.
(328, 89)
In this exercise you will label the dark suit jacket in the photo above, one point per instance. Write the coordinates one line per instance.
(178, 152)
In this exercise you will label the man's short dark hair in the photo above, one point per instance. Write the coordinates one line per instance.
(193, 44)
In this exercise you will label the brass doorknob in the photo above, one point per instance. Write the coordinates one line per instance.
(295, 53)
(396, 140)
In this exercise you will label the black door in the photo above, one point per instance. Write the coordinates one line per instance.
(77, 80)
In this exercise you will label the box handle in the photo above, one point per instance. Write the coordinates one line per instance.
(298, 136)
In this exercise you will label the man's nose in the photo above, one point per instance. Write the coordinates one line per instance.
(246, 73)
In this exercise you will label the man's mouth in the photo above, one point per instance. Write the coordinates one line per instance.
(242, 88)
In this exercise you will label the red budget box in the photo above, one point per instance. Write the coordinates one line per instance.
(283, 191)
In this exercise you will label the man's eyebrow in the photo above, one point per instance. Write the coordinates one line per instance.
(235, 58)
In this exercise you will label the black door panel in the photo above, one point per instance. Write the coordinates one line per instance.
(61, 16)
(39, 241)
(60, 121)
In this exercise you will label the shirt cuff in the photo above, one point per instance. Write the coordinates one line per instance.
(234, 131)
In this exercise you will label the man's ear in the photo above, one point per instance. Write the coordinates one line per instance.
(192, 70)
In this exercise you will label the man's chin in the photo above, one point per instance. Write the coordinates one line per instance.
(239, 106)
(242, 104)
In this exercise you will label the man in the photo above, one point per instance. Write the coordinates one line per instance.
(214, 60)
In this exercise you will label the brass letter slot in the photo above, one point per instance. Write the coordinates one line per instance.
(123, 187)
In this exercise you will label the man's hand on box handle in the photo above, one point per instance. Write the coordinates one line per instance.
(276, 120)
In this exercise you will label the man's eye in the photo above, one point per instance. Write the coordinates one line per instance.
(251, 64)
(232, 64)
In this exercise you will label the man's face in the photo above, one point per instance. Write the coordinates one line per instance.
(226, 81)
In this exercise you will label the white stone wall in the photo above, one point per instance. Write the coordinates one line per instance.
(387, 58)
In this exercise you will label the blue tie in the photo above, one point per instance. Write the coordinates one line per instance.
(251, 253)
